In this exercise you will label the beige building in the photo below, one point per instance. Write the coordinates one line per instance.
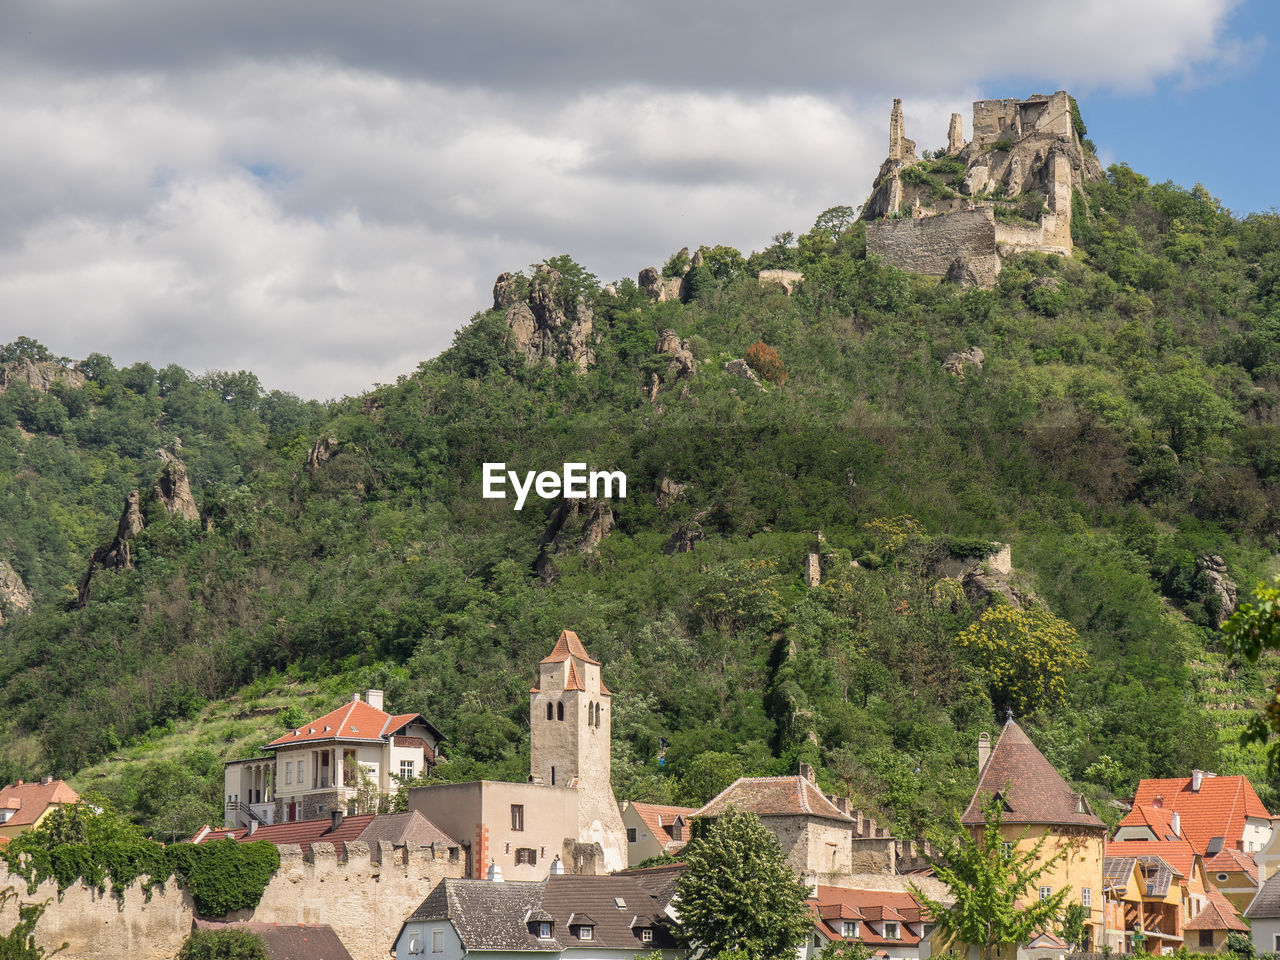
(654, 830)
(330, 763)
(567, 808)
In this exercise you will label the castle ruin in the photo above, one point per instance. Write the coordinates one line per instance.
(1008, 190)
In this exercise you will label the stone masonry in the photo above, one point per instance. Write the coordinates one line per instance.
(931, 245)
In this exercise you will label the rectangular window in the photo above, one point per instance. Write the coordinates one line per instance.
(631, 834)
(544, 930)
(1046, 893)
(406, 769)
(437, 941)
(1007, 849)
(1277, 943)
(301, 772)
(288, 771)
(891, 931)
(849, 929)
(1206, 938)
(1086, 897)
(517, 816)
(526, 855)
(586, 933)
(646, 935)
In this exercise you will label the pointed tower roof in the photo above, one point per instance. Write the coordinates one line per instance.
(573, 683)
(568, 645)
(1033, 792)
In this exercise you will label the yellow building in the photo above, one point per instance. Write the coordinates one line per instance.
(24, 805)
(1038, 803)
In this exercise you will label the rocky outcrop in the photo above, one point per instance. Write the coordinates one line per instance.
(546, 325)
(788, 280)
(984, 578)
(321, 452)
(39, 375)
(1213, 573)
(658, 287)
(116, 554)
(956, 363)
(682, 362)
(964, 273)
(740, 368)
(15, 598)
(669, 492)
(577, 525)
(687, 534)
(173, 489)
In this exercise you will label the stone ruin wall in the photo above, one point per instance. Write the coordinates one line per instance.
(929, 246)
(364, 897)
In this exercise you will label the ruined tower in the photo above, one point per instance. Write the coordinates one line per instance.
(570, 719)
(900, 147)
(955, 135)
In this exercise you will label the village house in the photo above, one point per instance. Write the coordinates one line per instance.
(1263, 915)
(411, 830)
(358, 750)
(567, 809)
(1214, 813)
(1037, 804)
(577, 918)
(23, 805)
(291, 941)
(891, 924)
(654, 830)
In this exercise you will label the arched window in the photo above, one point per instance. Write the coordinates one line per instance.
(550, 711)
(560, 710)
(597, 714)
(590, 715)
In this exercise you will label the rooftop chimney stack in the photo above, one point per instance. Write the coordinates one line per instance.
(1197, 779)
(806, 771)
(1175, 821)
(374, 699)
(253, 826)
(984, 750)
(45, 781)
(335, 819)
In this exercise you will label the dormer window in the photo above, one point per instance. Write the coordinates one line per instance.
(849, 929)
(646, 935)
(677, 829)
(586, 932)
(544, 930)
(891, 932)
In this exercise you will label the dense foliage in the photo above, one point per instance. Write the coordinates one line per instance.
(223, 945)
(1125, 424)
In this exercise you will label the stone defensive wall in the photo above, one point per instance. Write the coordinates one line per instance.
(364, 897)
(931, 244)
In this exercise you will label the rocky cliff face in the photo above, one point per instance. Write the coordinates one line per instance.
(173, 489)
(545, 324)
(15, 598)
(38, 375)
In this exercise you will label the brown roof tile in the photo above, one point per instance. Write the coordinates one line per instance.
(289, 941)
(773, 797)
(1218, 914)
(568, 645)
(354, 720)
(30, 800)
(1032, 790)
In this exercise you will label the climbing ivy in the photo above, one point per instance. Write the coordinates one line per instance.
(224, 875)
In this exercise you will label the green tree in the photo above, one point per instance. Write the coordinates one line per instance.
(993, 885)
(1251, 630)
(1026, 655)
(708, 773)
(223, 945)
(1075, 925)
(738, 894)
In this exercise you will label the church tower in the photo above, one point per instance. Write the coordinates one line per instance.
(570, 719)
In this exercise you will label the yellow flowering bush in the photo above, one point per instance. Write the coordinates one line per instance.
(891, 533)
(1025, 654)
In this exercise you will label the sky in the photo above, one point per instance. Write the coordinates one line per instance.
(323, 192)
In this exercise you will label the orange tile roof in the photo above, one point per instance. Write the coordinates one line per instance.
(354, 720)
(1032, 790)
(1218, 809)
(1231, 860)
(30, 800)
(302, 832)
(568, 645)
(1179, 854)
(658, 818)
(773, 796)
(573, 683)
(832, 905)
(1218, 914)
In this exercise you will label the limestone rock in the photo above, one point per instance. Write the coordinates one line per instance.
(546, 326)
(740, 368)
(669, 492)
(962, 272)
(1213, 569)
(115, 555)
(39, 375)
(543, 297)
(956, 363)
(697, 260)
(682, 363)
(506, 290)
(687, 535)
(321, 452)
(15, 598)
(574, 525)
(523, 326)
(610, 290)
(173, 489)
(672, 289)
(650, 281)
(955, 135)
(787, 279)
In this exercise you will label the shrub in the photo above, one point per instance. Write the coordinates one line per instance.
(223, 945)
(764, 360)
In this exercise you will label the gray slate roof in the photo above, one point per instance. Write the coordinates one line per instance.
(1266, 905)
(488, 915)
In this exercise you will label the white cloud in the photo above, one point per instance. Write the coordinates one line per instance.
(319, 206)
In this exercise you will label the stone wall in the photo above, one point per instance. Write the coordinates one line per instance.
(364, 897)
(930, 245)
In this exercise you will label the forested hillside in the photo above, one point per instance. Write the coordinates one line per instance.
(1123, 425)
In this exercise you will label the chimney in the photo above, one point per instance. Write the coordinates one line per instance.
(806, 771)
(18, 784)
(984, 750)
(557, 868)
(45, 781)
(374, 699)
(355, 698)
(1197, 778)
(1175, 821)
(495, 872)
(253, 826)
(335, 819)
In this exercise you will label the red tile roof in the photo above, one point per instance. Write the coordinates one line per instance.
(1231, 860)
(1217, 809)
(568, 645)
(1218, 914)
(833, 905)
(659, 818)
(302, 832)
(1032, 790)
(355, 720)
(573, 683)
(30, 800)
(773, 796)
(288, 941)
(1178, 854)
